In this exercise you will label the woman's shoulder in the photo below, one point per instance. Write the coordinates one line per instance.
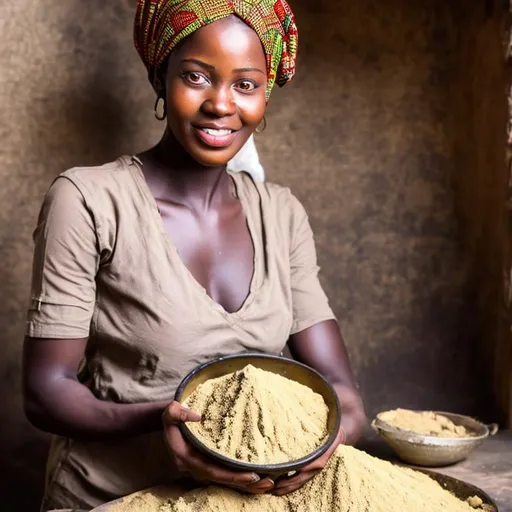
(100, 176)
(97, 190)
(103, 187)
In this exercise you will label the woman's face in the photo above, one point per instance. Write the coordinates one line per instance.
(216, 83)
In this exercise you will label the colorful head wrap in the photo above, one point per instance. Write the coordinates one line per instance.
(161, 24)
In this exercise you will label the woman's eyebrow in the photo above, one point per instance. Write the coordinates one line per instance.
(248, 70)
(200, 63)
(209, 67)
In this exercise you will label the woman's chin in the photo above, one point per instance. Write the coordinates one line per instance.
(210, 157)
(210, 160)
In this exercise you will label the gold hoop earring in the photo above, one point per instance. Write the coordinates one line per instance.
(163, 115)
(264, 123)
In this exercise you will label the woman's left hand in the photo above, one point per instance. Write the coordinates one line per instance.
(287, 485)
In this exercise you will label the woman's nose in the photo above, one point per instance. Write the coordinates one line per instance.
(220, 102)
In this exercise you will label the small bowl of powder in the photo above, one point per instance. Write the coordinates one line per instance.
(261, 413)
(431, 438)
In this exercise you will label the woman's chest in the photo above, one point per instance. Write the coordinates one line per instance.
(152, 308)
(217, 250)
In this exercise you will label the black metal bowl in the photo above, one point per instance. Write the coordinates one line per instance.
(282, 366)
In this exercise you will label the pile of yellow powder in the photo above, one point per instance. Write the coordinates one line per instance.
(425, 422)
(352, 482)
(259, 417)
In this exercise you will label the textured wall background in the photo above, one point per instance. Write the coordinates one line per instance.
(482, 187)
(369, 136)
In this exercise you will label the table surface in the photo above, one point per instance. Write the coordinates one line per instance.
(489, 467)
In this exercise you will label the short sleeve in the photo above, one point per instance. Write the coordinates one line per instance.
(309, 302)
(66, 260)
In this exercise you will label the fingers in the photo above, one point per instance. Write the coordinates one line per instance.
(177, 413)
(342, 437)
(199, 465)
(188, 461)
(322, 461)
(263, 486)
(288, 485)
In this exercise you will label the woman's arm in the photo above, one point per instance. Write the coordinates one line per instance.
(66, 262)
(56, 402)
(322, 347)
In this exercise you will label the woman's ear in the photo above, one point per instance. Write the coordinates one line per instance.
(158, 83)
(159, 79)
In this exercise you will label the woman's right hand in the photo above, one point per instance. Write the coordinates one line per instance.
(189, 462)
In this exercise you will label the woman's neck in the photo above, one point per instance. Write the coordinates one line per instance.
(174, 176)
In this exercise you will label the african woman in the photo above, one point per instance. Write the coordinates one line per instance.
(153, 264)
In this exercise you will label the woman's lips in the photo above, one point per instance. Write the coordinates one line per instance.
(215, 138)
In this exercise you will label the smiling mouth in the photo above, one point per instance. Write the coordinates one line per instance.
(216, 133)
(214, 137)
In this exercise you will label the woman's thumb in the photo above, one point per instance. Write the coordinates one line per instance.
(178, 413)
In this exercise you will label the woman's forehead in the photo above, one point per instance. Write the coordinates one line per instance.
(228, 38)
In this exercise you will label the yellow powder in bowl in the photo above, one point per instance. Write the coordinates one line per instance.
(259, 417)
(427, 423)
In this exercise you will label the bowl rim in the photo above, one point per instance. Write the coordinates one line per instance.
(417, 438)
(258, 468)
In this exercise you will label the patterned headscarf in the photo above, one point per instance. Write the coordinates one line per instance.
(161, 24)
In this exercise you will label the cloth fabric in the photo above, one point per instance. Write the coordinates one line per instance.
(161, 24)
(106, 269)
(248, 160)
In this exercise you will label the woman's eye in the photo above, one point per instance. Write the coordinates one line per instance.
(196, 78)
(246, 85)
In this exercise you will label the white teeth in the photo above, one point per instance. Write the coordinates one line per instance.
(217, 133)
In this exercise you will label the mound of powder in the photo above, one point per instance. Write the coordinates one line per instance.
(259, 417)
(141, 502)
(425, 422)
(351, 482)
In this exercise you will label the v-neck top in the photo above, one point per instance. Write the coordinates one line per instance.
(105, 269)
(256, 231)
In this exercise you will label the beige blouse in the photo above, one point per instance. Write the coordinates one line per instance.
(106, 269)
